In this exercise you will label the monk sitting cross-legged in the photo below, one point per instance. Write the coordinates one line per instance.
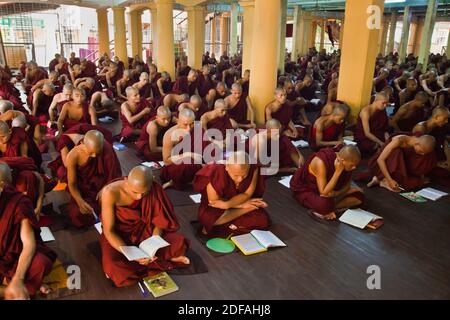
(231, 197)
(323, 183)
(134, 209)
(403, 163)
(238, 107)
(328, 131)
(281, 110)
(76, 112)
(90, 165)
(410, 113)
(25, 260)
(372, 125)
(218, 119)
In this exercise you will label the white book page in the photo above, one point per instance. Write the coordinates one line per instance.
(133, 253)
(248, 243)
(98, 227)
(300, 143)
(349, 142)
(286, 181)
(431, 193)
(358, 218)
(196, 197)
(46, 234)
(267, 239)
(153, 244)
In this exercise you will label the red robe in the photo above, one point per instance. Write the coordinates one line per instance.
(225, 188)
(7, 92)
(85, 118)
(239, 112)
(90, 70)
(405, 166)
(286, 149)
(304, 184)
(143, 146)
(284, 115)
(379, 125)
(91, 178)
(135, 224)
(19, 135)
(222, 124)
(407, 125)
(331, 133)
(15, 207)
(204, 85)
(44, 102)
(182, 86)
(127, 128)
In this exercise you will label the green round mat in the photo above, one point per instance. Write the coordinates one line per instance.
(220, 245)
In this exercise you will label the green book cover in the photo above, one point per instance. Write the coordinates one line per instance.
(160, 284)
(413, 197)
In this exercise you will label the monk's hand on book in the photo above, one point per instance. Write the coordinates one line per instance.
(146, 261)
(85, 208)
(393, 185)
(16, 290)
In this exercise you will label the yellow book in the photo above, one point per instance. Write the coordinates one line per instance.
(257, 241)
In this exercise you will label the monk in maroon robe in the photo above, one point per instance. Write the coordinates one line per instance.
(186, 84)
(323, 183)
(180, 168)
(410, 113)
(34, 73)
(282, 111)
(24, 259)
(196, 104)
(231, 200)
(59, 100)
(42, 99)
(90, 165)
(328, 131)
(403, 163)
(372, 126)
(205, 82)
(76, 112)
(135, 112)
(143, 85)
(239, 106)
(150, 141)
(218, 119)
(7, 92)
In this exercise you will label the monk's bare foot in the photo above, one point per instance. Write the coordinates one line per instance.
(181, 259)
(328, 217)
(373, 183)
(385, 184)
(167, 185)
(45, 289)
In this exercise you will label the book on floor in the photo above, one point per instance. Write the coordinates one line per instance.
(257, 241)
(146, 250)
(98, 227)
(432, 194)
(153, 164)
(119, 146)
(285, 181)
(414, 197)
(361, 219)
(300, 144)
(160, 284)
(46, 234)
(197, 198)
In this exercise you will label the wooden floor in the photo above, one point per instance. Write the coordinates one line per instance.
(321, 260)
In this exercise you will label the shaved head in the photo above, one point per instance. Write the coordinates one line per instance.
(5, 175)
(94, 141)
(163, 111)
(422, 96)
(5, 105)
(187, 114)
(427, 143)
(341, 109)
(440, 111)
(351, 154)
(220, 85)
(220, 103)
(19, 122)
(239, 158)
(140, 179)
(381, 96)
(196, 99)
(236, 86)
(238, 166)
(130, 91)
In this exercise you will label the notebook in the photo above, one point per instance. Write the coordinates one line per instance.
(300, 144)
(196, 197)
(153, 164)
(160, 284)
(285, 181)
(361, 219)
(119, 146)
(146, 249)
(98, 227)
(257, 241)
(46, 234)
(432, 194)
(414, 197)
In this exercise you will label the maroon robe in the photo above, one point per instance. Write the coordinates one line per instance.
(204, 85)
(379, 125)
(221, 123)
(239, 112)
(304, 184)
(284, 115)
(134, 224)
(217, 175)
(182, 86)
(19, 135)
(44, 102)
(143, 142)
(90, 70)
(91, 178)
(7, 93)
(14, 208)
(331, 133)
(127, 128)
(405, 166)
(407, 125)
(85, 118)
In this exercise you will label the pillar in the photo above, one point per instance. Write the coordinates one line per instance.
(233, 29)
(448, 46)
(322, 35)
(264, 57)
(356, 71)
(223, 34)
(196, 35)
(282, 57)
(392, 27)
(165, 51)
(418, 37)
(248, 8)
(136, 33)
(312, 35)
(305, 32)
(213, 35)
(120, 36)
(427, 33)
(412, 36)
(154, 26)
(341, 35)
(405, 34)
(383, 37)
(103, 31)
(296, 33)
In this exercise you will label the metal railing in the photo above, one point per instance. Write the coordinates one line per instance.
(18, 51)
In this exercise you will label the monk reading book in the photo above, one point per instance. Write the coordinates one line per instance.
(76, 112)
(238, 107)
(134, 209)
(328, 131)
(282, 111)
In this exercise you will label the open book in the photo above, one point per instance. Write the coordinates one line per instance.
(361, 219)
(160, 284)
(285, 181)
(153, 164)
(46, 234)
(197, 198)
(147, 248)
(431, 194)
(257, 241)
(300, 144)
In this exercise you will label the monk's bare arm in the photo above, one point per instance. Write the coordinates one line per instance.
(93, 115)
(365, 119)
(402, 97)
(62, 117)
(399, 115)
(108, 219)
(51, 109)
(133, 118)
(427, 89)
(419, 128)
(40, 199)
(397, 86)
(160, 86)
(441, 80)
(268, 111)
(35, 101)
(152, 131)
(119, 89)
(108, 80)
(326, 188)
(395, 143)
(250, 111)
(204, 119)
(72, 162)
(24, 149)
(319, 137)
